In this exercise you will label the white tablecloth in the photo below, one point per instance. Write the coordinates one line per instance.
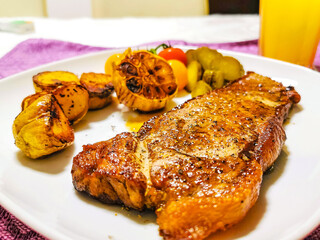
(123, 32)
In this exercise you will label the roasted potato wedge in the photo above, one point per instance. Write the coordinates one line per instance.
(50, 80)
(72, 98)
(99, 87)
(27, 101)
(74, 101)
(42, 128)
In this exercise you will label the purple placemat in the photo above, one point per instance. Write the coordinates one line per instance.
(35, 52)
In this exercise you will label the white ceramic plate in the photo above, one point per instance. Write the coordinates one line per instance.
(41, 194)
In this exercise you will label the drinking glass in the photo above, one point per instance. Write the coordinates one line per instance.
(290, 30)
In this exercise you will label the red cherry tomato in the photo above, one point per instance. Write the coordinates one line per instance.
(174, 53)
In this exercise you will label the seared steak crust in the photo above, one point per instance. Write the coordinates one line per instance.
(199, 165)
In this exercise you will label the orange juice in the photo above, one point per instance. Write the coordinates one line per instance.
(290, 30)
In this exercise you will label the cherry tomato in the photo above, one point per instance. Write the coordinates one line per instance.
(108, 67)
(180, 71)
(174, 53)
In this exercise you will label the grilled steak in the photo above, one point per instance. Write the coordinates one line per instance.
(199, 165)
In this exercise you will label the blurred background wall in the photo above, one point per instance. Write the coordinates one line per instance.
(13, 8)
(120, 8)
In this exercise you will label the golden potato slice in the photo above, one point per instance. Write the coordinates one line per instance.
(99, 87)
(50, 80)
(74, 101)
(42, 128)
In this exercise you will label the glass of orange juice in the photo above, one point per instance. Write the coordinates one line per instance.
(290, 30)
